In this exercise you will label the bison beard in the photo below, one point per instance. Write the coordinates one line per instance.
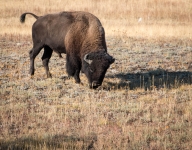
(80, 36)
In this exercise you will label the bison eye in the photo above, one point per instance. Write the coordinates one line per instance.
(91, 70)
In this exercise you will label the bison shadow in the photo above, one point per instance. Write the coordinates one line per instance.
(54, 142)
(152, 79)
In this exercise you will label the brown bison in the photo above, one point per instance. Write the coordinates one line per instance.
(80, 36)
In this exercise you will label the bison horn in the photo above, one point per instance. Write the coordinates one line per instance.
(89, 61)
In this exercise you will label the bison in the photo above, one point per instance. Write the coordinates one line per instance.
(80, 36)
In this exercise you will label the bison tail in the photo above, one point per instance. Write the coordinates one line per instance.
(22, 18)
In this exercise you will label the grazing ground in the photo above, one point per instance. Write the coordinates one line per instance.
(145, 101)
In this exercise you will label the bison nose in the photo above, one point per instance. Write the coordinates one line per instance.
(95, 84)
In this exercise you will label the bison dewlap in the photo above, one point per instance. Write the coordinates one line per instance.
(80, 36)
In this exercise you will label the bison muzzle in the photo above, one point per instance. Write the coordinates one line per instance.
(80, 36)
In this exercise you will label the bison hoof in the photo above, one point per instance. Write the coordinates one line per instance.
(49, 75)
(31, 72)
(77, 81)
(30, 76)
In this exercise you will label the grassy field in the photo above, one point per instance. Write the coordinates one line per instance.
(143, 18)
(145, 101)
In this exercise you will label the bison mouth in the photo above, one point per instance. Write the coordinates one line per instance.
(94, 85)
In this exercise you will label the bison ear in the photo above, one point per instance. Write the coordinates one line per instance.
(86, 58)
(112, 60)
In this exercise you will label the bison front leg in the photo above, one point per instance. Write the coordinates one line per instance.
(76, 76)
(45, 58)
(73, 68)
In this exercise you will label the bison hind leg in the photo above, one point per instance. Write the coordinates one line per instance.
(32, 54)
(45, 58)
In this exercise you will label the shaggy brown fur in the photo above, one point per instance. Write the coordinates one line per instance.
(80, 36)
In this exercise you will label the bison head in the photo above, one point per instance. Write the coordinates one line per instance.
(95, 65)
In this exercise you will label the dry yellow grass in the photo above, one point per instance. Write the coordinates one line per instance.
(143, 18)
(146, 98)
